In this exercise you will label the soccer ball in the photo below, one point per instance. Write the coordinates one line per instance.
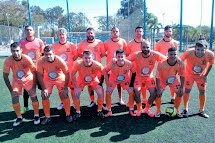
(170, 111)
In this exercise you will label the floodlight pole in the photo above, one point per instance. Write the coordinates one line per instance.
(29, 13)
(212, 19)
(144, 19)
(68, 16)
(107, 18)
(181, 24)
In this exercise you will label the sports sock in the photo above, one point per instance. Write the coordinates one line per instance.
(108, 100)
(158, 103)
(66, 104)
(17, 110)
(100, 102)
(77, 105)
(131, 100)
(46, 107)
(177, 102)
(35, 106)
(202, 100)
(143, 91)
(172, 93)
(186, 100)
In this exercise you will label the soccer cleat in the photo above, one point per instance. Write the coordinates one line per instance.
(101, 114)
(17, 122)
(76, 116)
(185, 113)
(45, 121)
(60, 106)
(36, 120)
(203, 114)
(131, 112)
(144, 101)
(104, 107)
(158, 114)
(109, 113)
(148, 112)
(92, 103)
(69, 119)
(180, 115)
(24, 110)
(172, 101)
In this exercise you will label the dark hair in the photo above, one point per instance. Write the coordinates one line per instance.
(167, 27)
(90, 29)
(87, 52)
(114, 28)
(15, 45)
(120, 51)
(28, 26)
(138, 27)
(48, 48)
(172, 49)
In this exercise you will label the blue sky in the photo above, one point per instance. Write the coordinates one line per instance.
(167, 11)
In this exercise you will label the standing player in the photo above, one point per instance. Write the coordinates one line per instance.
(24, 76)
(53, 71)
(199, 61)
(166, 75)
(119, 74)
(111, 45)
(163, 46)
(145, 61)
(97, 48)
(88, 71)
(33, 47)
(135, 46)
(68, 52)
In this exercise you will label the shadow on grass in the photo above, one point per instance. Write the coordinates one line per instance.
(121, 123)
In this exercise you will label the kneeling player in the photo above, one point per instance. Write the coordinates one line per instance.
(53, 71)
(167, 71)
(88, 71)
(119, 74)
(24, 76)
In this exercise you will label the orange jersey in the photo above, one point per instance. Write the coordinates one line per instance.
(111, 47)
(144, 66)
(66, 51)
(133, 46)
(97, 47)
(87, 74)
(22, 70)
(163, 46)
(33, 49)
(53, 71)
(119, 73)
(167, 73)
(195, 66)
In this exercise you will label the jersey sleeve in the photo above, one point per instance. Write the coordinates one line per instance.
(211, 58)
(107, 68)
(157, 47)
(157, 75)
(40, 66)
(160, 57)
(181, 71)
(80, 50)
(184, 56)
(30, 64)
(6, 68)
(75, 68)
(102, 49)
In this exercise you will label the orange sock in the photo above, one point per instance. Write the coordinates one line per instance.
(186, 100)
(158, 103)
(177, 102)
(131, 100)
(139, 106)
(143, 91)
(46, 107)
(108, 101)
(172, 93)
(202, 99)
(17, 110)
(148, 105)
(77, 105)
(92, 97)
(66, 104)
(100, 102)
(36, 107)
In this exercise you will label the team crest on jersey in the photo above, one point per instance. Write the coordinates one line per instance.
(64, 56)
(170, 80)
(197, 69)
(88, 78)
(145, 70)
(32, 55)
(20, 74)
(120, 78)
(52, 75)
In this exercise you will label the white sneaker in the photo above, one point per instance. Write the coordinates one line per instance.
(60, 106)
(17, 122)
(36, 120)
(92, 103)
(121, 102)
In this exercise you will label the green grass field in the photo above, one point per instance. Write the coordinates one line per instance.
(118, 128)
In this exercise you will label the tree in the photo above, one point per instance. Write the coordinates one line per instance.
(53, 14)
(102, 21)
(78, 21)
